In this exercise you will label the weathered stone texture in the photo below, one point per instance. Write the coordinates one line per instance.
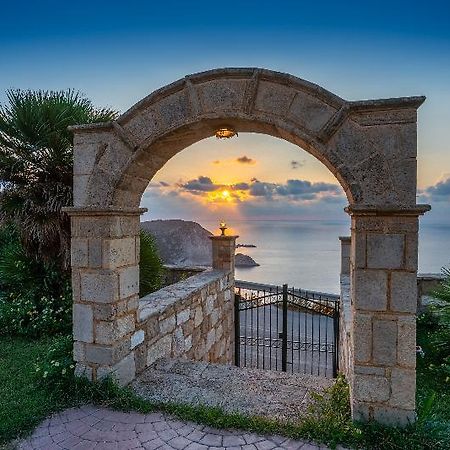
(370, 146)
(191, 319)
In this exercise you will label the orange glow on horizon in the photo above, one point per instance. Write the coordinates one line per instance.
(226, 196)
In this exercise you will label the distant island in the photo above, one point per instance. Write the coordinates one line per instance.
(245, 246)
(186, 243)
(245, 261)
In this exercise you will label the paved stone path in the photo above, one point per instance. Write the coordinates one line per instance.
(91, 427)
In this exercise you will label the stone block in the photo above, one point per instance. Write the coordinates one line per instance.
(209, 306)
(79, 252)
(227, 295)
(210, 339)
(385, 251)
(214, 318)
(137, 338)
(99, 354)
(371, 388)
(188, 343)
(83, 323)
(403, 386)
(183, 316)
(167, 325)
(100, 286)
(110, 332)
(95, 253)
(406, 351)
(370, 290)
(188, 327)
(80, 189)
(118, 252)
(159, 349)
(78, 351)
(393, 416)
(96, 226)
(370, 370)
(129, 281)
(362, 337)
(403, 292)
(83, 371)
(198, 317)
(385, 342)
(358, 250)
(411, 251)
(123, 372)
(76, 285)
(178, 342)
(152, 328)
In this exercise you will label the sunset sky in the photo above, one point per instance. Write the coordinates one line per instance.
(117, 53)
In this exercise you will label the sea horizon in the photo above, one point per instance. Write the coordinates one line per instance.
(305, 253)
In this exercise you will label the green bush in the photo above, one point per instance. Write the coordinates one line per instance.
(151, 267)
(439, 333)
(35, 297)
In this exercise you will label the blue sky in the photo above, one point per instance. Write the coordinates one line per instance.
(118, 52)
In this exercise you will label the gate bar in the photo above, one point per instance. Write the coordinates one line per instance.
(237, 331)
(285, 330)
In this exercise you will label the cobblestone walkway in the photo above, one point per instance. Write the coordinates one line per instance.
(98, 428)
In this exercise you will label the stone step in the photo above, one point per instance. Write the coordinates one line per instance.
(252, 392)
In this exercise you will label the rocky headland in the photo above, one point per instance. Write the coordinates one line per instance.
(186, 243)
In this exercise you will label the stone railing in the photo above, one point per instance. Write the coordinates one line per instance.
(192, 318)
(426, 282)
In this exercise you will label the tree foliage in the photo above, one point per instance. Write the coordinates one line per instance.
(151, 266)
(36, 165)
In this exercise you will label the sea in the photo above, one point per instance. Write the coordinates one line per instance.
(306, 254)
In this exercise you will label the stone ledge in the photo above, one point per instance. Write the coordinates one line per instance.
(369, 210)
(102, 211)
(157, 302)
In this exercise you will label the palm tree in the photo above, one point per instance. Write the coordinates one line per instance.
(36, 166)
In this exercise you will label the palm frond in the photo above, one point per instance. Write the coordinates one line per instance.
(36, 165)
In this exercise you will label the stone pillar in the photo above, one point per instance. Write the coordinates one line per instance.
(223, 252)
(345, 254)
(105, 282)
(383, 306)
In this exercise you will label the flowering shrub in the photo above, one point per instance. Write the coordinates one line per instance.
(31, 314)
(56, 368)
(35, 296)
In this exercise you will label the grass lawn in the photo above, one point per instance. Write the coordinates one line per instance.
(24, 403)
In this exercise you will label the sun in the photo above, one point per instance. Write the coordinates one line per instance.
(225, 194)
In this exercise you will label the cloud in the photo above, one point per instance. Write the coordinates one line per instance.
(295, 190)
(297, 164)
(292, 202)
(200, 184)
(439, 191)
(245, 160)
(241, 186)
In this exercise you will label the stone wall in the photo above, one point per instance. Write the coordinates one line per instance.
(345, 319)
(192, 318)
(371, 148)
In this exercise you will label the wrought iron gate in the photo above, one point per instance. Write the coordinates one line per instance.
(287, 329)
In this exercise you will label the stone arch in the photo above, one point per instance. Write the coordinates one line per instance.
(370, 146)
(119, 158)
